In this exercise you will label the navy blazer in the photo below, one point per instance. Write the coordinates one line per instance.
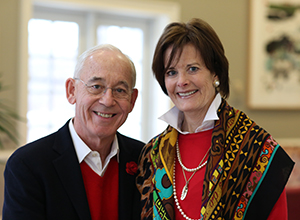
(43, 180)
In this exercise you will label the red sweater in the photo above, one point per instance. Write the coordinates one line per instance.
(192, 148)
(102, 192)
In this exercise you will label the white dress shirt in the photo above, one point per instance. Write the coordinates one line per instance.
(92, 158)
(174, 117)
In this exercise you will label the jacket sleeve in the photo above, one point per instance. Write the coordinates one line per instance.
(23, 195)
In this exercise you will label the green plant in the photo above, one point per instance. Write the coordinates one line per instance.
(8, 118)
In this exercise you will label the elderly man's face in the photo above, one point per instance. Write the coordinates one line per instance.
(100, 115)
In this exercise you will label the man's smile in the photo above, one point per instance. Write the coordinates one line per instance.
(104, 115)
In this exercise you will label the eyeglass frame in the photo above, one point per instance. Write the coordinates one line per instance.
(102, 93)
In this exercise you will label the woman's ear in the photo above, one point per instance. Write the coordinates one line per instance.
(216, 77)
(216, 82)
(70, 90)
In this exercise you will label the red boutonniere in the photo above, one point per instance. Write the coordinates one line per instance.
(131, 168)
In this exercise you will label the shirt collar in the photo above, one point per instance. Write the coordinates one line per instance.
(174, 117)
(82, 150)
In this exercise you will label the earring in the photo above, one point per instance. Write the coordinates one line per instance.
(216, 83)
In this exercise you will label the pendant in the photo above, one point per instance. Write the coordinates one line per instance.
(184, 192)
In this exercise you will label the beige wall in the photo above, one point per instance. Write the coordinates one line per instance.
(230, 21)
(8, 54)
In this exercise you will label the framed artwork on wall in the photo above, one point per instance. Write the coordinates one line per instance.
(274, 55)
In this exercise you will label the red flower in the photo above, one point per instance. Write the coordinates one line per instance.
(131, 168)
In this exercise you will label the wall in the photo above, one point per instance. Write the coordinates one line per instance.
(230, 21)
(228, 18)
(8, 56)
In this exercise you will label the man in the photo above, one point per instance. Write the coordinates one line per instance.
(85, 170)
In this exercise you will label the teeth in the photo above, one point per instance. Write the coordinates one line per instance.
(187, 93)
(104, 115)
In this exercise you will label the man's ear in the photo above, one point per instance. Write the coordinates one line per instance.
(70, 90)
(134, 96)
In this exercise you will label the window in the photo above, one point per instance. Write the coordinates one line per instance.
(87, 24)
(53, 49)
(130, 38)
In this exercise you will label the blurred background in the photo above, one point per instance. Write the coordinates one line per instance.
(40, 41)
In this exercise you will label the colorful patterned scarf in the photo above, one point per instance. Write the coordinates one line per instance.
(245, 166)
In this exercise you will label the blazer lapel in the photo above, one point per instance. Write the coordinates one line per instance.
(69, 172)
(127, 189)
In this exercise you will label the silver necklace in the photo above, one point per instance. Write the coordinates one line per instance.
(190, 169)
(175, 196)
(185, 189)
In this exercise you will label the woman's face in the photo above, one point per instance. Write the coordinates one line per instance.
(189, 83)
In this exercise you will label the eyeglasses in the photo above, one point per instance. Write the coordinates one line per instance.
(96, 88)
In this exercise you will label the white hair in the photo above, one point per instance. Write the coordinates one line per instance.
(84, 56)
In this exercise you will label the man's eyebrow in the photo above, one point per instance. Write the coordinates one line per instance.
(102, 80)
(124, 83)
(94, 79)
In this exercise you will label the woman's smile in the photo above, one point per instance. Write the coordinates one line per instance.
(186, 94)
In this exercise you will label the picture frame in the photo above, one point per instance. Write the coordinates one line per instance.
(274, 55)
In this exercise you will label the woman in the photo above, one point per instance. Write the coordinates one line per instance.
(212, 161)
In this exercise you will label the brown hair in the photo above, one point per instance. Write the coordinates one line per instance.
(202, 36)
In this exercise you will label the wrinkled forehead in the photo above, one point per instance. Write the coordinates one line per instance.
(108, 67)
(106, 82)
